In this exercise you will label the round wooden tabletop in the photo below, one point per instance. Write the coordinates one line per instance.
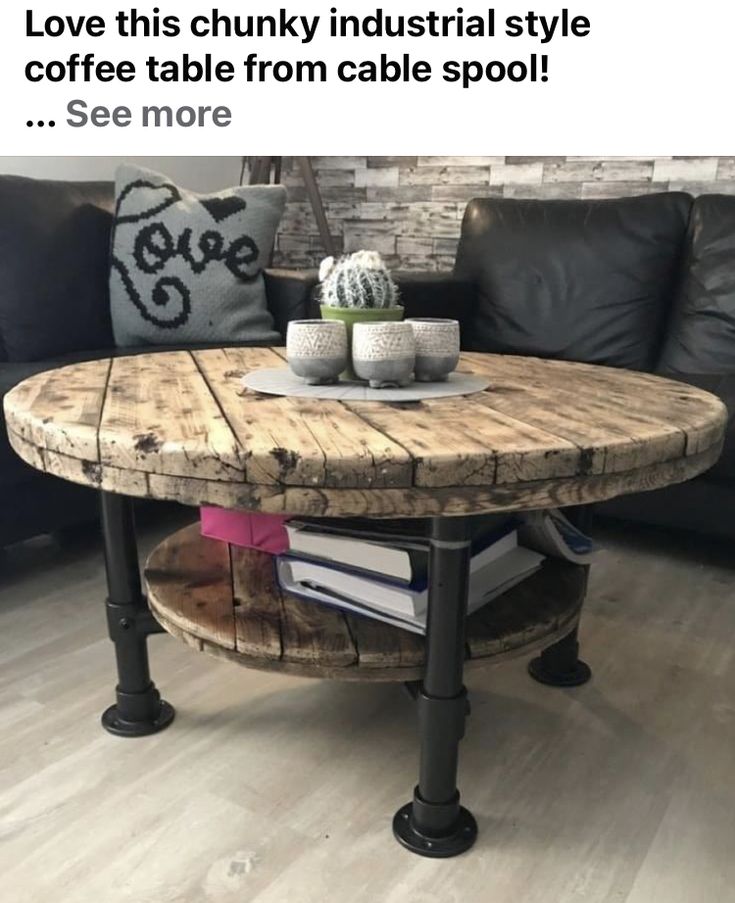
(179, 425)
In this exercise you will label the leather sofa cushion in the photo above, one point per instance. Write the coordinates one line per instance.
(701, 338)
(579, 280)
(54, 250)
(431, 294)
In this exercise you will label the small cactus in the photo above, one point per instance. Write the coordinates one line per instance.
(357, 280)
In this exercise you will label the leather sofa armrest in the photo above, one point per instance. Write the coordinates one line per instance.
(438, 295)
(289, 295)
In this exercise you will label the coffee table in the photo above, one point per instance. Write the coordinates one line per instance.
(178, 425)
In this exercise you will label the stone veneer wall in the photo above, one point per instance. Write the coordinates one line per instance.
(410, 208)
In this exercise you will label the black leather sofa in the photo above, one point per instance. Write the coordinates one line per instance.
(645, 283)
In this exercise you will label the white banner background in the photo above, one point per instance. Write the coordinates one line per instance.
(651, 78)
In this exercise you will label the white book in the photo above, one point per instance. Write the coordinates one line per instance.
(395, 560)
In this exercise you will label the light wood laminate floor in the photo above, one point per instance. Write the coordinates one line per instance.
(281, 790)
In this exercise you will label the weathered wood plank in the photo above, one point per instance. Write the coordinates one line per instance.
(78, 470)
(160, 416)
(648, 394)
(611, 437)
(380, 645)
(544, 603)
(188, 577)
(639, 407)
(298, 440)
(456, 441)
(315, 635)
(257, 604)
(75, 470)
(60, 409)
(607, 441)
(26, 451)
(412, 502)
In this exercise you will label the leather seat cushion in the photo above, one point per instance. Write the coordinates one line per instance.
(579, 280)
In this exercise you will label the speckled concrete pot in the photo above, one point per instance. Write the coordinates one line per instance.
(437, 347)
(351, 315)
(317, 350)
(384, 353)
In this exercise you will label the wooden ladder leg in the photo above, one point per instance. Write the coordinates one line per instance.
(260, 170)
(315, 199)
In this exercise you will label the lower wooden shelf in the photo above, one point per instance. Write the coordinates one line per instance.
(224, 600)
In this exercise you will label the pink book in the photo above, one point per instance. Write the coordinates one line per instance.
(244, 528)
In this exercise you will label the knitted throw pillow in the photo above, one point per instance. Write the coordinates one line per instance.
(188, 268)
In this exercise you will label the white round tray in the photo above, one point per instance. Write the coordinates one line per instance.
(281, 381)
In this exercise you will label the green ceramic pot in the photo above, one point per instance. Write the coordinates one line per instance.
(351, 315)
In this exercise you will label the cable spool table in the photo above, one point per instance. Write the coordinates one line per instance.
(178, 425)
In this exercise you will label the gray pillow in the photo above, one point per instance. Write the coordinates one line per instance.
(187, 267)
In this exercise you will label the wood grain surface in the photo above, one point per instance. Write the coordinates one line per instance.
(238, 612)
(179, 425)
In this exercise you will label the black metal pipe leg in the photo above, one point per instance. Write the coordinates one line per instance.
(434, 824)
(139, 709)
(560, 664)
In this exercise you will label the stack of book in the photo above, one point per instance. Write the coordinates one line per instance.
(379, 569)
